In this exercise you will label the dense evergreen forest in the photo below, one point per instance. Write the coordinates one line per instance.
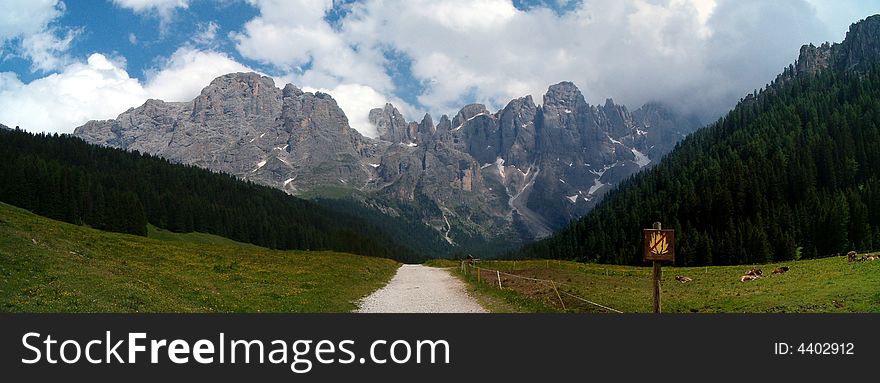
(791, 172)
(404, 228)
(64, 178)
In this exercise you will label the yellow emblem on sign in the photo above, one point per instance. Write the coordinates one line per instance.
(659, 244)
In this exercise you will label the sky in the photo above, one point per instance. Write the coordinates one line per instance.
(63, 63)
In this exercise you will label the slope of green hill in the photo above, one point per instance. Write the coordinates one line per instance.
(67, 179)
(191, 237)
(51, 266)
(792, 172)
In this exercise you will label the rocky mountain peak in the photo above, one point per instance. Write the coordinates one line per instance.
(249, 81)
(389, 123)
(237, 95)
(861, 45)
(813, 59)
(518, 106)
(444, 125)
(291, 90)
(469, 111)
(609, 102)
(426, 127)
(563, 93)
(313, 112)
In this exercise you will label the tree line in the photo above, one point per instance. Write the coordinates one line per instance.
(65, 178)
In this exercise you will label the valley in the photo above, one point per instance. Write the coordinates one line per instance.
(257, 198)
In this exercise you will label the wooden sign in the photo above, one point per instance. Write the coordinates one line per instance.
(659, 245)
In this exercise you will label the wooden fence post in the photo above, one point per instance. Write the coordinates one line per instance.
(557, 295)
(657, 276)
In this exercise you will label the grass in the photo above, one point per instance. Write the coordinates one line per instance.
(329, 192)
(504, 300)
(50, 266)
(817, 286)
(199, 238)
(489, 296)
(442, 263)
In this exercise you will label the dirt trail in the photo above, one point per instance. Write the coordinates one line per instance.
(421, 289)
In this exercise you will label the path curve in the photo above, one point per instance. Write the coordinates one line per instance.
(421, 289)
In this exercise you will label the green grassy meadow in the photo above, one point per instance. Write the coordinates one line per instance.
(50, 266)
(826, 285)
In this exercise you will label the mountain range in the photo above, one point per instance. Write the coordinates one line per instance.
(479, 177)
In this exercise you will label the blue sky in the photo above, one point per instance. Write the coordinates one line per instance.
(142, 38)
(108, 28)
(65, 62)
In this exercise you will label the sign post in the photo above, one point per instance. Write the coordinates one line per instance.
(659, 247)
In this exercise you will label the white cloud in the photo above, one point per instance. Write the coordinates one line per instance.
(23, 18)
(100, 88)
(698, 55)
(47, 50)
(206, 34)
(164, 8)
(187, 71)
(293, 37)
(59, 102)
(26, 30)
(495, 52)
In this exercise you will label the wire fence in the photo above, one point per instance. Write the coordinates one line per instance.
(606, 270)
(465, 269)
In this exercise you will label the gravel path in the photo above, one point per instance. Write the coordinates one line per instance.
(421, 289)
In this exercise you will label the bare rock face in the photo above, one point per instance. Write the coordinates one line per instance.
(813, 59)
(391, 125)
(520, 172)
(860, 48)
(148, 128)
(320, 145)
(517, 129)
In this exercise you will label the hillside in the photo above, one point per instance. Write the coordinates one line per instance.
(51, 266)
(792, 172)
(65, 178)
